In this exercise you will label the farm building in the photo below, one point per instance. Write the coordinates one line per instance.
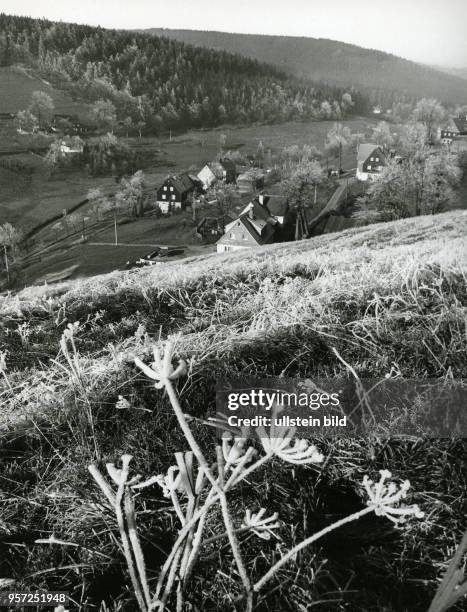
(453, 129)
(217, 171)
(371, 160)
(174, 192)
(276, 203)
(257, 224)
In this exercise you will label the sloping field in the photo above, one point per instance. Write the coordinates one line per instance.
(17, 85)
(384, 299)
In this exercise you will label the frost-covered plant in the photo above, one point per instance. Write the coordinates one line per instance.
(3, 369)
(24, 331)
(195, 485)
(453, 587)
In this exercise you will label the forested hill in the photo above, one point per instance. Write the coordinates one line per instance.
(333, 62)
(163, 83)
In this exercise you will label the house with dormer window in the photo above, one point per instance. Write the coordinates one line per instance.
(262, 221)
(371, 160)
(453, 130)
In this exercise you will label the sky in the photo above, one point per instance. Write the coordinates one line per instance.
(429, 31)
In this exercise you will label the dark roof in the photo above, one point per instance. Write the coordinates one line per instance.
(259, 239)
(275, 201)
(258, 211)
(365, 150)
(194, 179)
(228, 164)
(461, 125)
(182, 182)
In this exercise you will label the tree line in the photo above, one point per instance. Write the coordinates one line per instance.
(164, 84)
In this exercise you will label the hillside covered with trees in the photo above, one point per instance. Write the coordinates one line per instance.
(385, 77)
(158, 83)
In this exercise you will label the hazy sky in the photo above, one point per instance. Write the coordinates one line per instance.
(430, 31)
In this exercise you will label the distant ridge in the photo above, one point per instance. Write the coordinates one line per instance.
(459, 72)
(334, 62)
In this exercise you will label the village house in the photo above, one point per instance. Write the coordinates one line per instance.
(72, 147)
(261, 222)
(174, 192)
(212, 172)
(371, 160)
(276, 203)
(453, 129)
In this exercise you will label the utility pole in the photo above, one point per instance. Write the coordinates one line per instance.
(7, 267)
(115, 227)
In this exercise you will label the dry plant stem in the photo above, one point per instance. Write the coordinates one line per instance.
(125, 540)
(189, 540)
(218, 487)
(189, 435)
(8, 384)
(200, 514)
(210, 501)
(293, 551)
(234, 545)
(195, 549)
(137, 551)
(170, 580)
(447, 593)
(103, 485)
(232, 481)
(129, 540)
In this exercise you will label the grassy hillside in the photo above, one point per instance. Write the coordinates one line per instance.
(388, 298)
(332, 62)
(18, 83)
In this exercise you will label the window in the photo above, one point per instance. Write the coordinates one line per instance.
(171, 189)
(244, 237)
(372, 159)
(163, 196)
(232, 236)
(165, 187)
(173, 197)
(380, 168)
(377, 159)
(368, 167)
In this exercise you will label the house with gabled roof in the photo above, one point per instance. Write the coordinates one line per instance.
(453, 129)
(276, 202)
(371, 160)
(260, 222)
(253, 227)
(212, 172)
(174, 192)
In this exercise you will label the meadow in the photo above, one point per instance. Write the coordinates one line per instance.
(27, 201)
(17, 83)
(388, 299)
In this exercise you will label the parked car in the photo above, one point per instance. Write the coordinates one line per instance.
(156, 256)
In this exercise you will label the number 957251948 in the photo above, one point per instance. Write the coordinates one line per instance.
(18, 599)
